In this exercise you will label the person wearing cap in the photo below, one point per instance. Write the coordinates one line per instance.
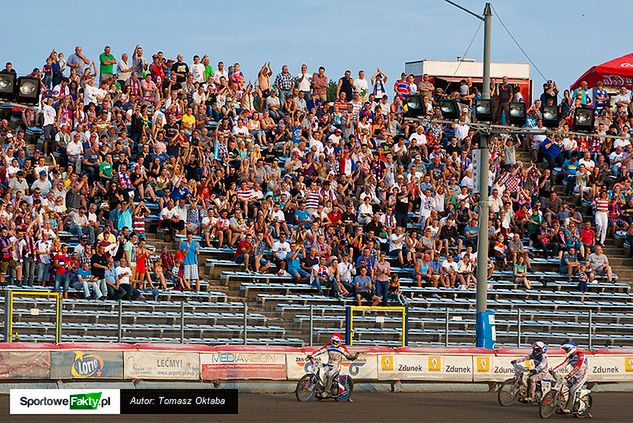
(42, 184)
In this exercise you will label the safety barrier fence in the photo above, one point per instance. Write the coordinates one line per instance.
(93, 361)
(244, 320)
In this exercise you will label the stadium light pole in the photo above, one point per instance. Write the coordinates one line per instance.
(482, 239)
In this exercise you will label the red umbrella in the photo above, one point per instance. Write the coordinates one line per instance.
(615, 73)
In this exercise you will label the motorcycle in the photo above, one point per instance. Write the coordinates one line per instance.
(555, 401)
(515, 388)
(312, 384)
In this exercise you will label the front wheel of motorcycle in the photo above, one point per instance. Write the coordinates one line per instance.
(547, 407)
(348, 387)
(305, 389)
(585, 407)
(508, 393)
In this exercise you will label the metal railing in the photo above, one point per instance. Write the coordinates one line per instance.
(515, 322)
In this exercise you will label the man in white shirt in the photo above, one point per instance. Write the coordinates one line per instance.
(43, 248)
(621, 142)
(304, 80)
(197, 70)
(123, 70)
(50, 116)
(346, 270)
(92, 94)
(61, 90)
(75, 152)
(461, 128)
(219, 73)
(281, 249)
(622, 99)
(419, 136)
(361, 86)
(496, 203)
(181, 209)
(123, 273)
(587, 161)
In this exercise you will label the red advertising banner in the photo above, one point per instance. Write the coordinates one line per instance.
(234, 365)
(25, 364)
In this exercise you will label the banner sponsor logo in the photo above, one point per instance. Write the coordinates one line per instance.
(25, 365)
(87, 365)
(483, 364)
(435, 363)
(616, 80)
(364, 368)
(386, 362)
(423, 367)
(161, 365)
(610, 368)
(230, 365)
(64, 401)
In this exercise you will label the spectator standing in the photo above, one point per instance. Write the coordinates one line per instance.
(106, 64)
(304, 82)
(362, 286)
(191, 248)
(284, 82)
(601, 207)
(62, 270)
(382, 275)
(320, 84)
(77, 61)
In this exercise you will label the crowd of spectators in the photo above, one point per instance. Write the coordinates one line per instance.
(330, 191)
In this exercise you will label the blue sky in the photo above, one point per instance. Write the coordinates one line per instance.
(558, 35)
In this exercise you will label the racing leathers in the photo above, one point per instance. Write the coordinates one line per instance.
(576, 377)
(537, 373)
(335, 357)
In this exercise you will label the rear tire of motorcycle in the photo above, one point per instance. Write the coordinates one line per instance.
(345, 396)
(586, 412)
(508, 393)
(302, 392)
(548, 404)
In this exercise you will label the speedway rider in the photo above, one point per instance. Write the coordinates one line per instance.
(336, 351)
(539, 358)
(577, 376)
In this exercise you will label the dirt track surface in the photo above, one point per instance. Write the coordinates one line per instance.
(367, 407)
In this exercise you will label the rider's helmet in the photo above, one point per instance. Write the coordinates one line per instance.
(539, 348)
(336, 339)
(570, 348)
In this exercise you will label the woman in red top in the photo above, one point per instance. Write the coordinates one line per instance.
(142, 257)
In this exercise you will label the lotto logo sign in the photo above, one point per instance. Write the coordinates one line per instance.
(628, 364)
(483, 364)
(435, 363)
(386, 362)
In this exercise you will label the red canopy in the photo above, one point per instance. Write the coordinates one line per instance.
(614, 73)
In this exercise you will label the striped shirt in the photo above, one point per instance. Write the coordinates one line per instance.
(244, 194)
(138, 223)
(602, 206)
(402, 88)
(312, 199)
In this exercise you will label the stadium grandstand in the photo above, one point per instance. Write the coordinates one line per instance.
(167, 200)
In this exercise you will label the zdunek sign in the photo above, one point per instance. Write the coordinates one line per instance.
(425, 367)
